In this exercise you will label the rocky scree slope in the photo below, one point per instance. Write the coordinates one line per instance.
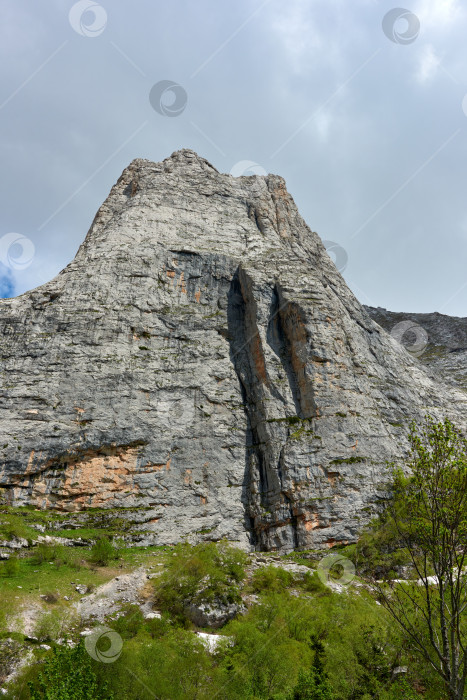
(202, 364)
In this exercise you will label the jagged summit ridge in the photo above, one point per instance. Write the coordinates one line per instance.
(263, 199)
(202, 363)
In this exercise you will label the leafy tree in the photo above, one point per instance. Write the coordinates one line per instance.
(68, 675)
(429, 511)
(313, 684)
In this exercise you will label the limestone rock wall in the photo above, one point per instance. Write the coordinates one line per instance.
(202, 362)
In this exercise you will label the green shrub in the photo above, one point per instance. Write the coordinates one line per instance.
(43, 553)
(130, 622)
(272, 579)
(312, 583)
(59, 554)
(360, 646)
(10, 567)
(200, 573)
(103, 552)
(68, 674)
(157, 627)
(55, 624)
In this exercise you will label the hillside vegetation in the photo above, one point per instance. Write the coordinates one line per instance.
(92, 618)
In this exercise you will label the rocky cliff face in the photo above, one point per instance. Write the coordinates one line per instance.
(202, 364)
(444, 348)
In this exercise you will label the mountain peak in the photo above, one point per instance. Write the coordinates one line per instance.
(202, 365)
(187, 157)
(188, 185)
(183, 159)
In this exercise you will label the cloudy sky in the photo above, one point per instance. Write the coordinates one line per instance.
(362, 109)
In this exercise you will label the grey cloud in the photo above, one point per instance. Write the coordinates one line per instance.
(368, 143)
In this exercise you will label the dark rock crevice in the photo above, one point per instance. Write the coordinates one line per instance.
(288, 339)
(268, 506)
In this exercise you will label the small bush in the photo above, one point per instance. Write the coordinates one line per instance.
(65, 556)
(48, 626)
(157, 627)
(68, 673)
(11, 567)
(313, 584)
(201, 574)
(43, 553)
(103, 552)
(50, 597)
(271, 579)
(53, 625)
(59, 554)
(128, 624)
